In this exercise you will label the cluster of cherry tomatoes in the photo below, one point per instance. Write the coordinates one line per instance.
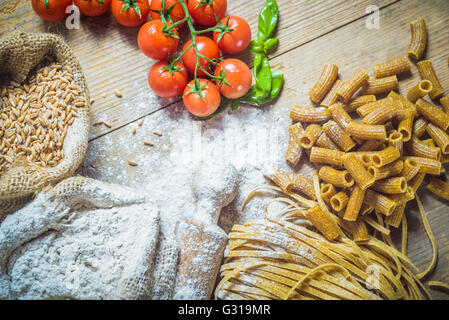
(158, 38)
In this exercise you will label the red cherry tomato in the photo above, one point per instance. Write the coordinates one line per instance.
(237, 40)
(130, 17)
(54, 11)
(164, 83)
(93, 8)
(207, 48)
(154, 43)
(205, 13)
(176, 14)
(237, 75)
(202, 106)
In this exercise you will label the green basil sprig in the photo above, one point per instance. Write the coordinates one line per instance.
(268, 83)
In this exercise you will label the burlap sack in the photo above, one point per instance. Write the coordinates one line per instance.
(20, 52)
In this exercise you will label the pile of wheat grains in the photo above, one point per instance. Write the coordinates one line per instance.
(35, 115)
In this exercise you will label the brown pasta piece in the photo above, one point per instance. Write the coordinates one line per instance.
(366, 131)
(419, 127)
(445, 103)
(391, 67)
(395, 140)
(310, 115)
(407, 104)
(324, 83)
(440, 137)
(323, 222)
(426, 165)
(390, 185)
(367, 108)
(325, 142)
(417, 148)
(339, 201)
(332, 96)
(418, 41)
(383, 114)
(339, 115)
(327, 191)
(420, 90)
(354, 204)
(379, 202)
(338, 135)
(351, 86)
(389, 170)
(340, 179)
(427, 72)
(386, 156)
(303, 185)
(405, 127)
(371, 145)
(358, 172)
(395, 218)
(410, 169)
(326, 156)
(381, 85)
(294, 151)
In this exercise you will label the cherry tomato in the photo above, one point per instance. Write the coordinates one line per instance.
(205, 13)
(237, 74)
(154, 43)
(202, 106)
(237, 40)
(130, 17)
(164, 83)
(207, 48)
(93, 8)
(176, 14)
(53, 11)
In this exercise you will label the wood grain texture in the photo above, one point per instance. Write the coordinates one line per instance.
(311, 33)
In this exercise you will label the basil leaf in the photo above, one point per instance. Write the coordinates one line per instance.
(276, 85)
(262, 74)
(270, 44)
(268, 18)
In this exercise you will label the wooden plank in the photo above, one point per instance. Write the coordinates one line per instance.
(112, 60)
(350, 47)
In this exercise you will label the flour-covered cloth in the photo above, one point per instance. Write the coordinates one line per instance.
(84, 239)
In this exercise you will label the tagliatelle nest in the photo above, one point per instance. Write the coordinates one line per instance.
(282, 257)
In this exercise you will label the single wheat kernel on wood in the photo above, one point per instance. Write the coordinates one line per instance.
(36, 115)
(107, 124)
(133, 130)
(140, 123)
(148, 143)
(118, 93)
(158, 133)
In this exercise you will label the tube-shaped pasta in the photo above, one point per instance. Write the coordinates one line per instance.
(324, 83)
(418, 41)
(302, 184)
(339, 115)
(445, 103)
(390, 185)
(403, 197)
(420, 90)
(419, 127)
(358, 230)
(405, 126)
(367, 131)
(427, 72)
(389, 170)
(332, 96)
(310, 115)
(351, 86)
(371, 145)
(385, 113)
(379, 202)
(391, 67)
(294, 151)
(433, 114)
(358, 172)
(326, 156)
(325, 142)
(381, 85)
(338, 135)
(410, 169)
(323, 222)
(340, 179)
(308, 138)
(439, 187)
(386, 156)
(357, 102)
(395, 218)
(440, 137)
(395, 139)
(339, 201)
(426, 165)
(354, 204)
(405, 102)
(416, 181)
(327, 191)
(367, 108)
(419, 149)
(365, 157)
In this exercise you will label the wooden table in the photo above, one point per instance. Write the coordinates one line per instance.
(310, 33)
